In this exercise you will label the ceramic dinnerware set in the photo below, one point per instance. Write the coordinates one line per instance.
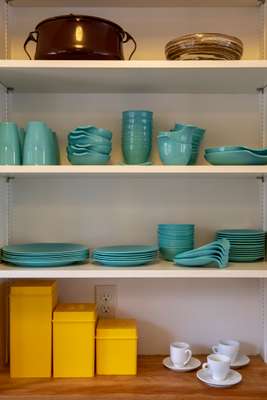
(174, 239)
(247, 245)
(89, 145)
(215, 253)
(136, 140)
(45, 254)
(236, 155)
(125, 255)
(218, 371)
(38, 145)
(181, 145)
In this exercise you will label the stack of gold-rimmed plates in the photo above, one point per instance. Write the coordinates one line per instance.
(204, 46)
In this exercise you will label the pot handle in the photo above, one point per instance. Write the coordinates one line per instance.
(30, 38)
(126, 39)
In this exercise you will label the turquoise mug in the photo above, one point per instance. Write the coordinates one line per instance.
(39, 145)
(10, 149)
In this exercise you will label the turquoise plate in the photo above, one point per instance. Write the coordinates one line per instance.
(45, 263)
(238, 157)
(112, 250)
(123, 263)
(43, 248)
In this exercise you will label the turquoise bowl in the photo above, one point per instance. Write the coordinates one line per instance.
(10, 147)
(100, 148)
(89, 158)
(177, 135)
(238, 157)
(173, 152)
(90, 129)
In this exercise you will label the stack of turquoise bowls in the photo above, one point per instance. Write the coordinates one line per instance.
(89, 145)
(175, 148)
(197, 137)
(175, 239)
(137, 128)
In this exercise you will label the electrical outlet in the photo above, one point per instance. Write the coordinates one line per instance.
(106, 300)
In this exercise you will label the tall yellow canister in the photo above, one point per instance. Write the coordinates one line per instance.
(74, 340)
(116, 347)
(31, 308)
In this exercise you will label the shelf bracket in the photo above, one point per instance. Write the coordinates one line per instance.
(9, 178)
(262, 89)
(261, 178)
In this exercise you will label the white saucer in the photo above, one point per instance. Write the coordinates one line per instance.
(241, 361)
(194, 363)
(233, 378)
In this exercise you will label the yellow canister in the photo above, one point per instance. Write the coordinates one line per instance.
(31, 307)
(74, 340)
(116, 347)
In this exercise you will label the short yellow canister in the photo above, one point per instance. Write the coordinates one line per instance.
(31, 308)
(74, 340)
(116, 347)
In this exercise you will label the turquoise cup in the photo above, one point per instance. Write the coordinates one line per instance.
(175, 148)
(10, 149)
(39, 146)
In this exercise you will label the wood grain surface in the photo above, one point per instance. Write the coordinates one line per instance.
(154, 382)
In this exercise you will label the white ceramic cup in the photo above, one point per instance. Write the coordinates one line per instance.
(228, 348)
(218, 366)
(180, 354)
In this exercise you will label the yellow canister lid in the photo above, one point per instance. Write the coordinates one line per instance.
(75, 312)
(116, 328)
(32, 287)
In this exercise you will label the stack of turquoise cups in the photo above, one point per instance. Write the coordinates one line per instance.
(137, 128)
(175, 239)
(197, 137)
(40, 145)
(10, 144)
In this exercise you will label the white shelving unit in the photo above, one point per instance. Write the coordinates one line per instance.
(134, 76)
(102, 205)
(135, 171)
(162, 270)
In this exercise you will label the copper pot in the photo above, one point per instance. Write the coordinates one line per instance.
(78, 37)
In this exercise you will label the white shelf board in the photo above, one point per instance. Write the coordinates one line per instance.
(133, 3)
(134, 170)
(160, 270)
(244, 76)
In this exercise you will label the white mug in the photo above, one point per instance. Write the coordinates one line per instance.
(180, 354)
(228, 348)
(218, 365)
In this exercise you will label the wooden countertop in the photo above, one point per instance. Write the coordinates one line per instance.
(154, 382)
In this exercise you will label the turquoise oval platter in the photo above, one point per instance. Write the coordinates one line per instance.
(236, 157)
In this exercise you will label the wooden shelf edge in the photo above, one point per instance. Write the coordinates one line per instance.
(153, 382)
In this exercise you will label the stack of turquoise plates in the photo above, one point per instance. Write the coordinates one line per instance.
(175, 239)
(246, 244)
(44, 254)
(216, 253)
(236, 155)
(125, 256)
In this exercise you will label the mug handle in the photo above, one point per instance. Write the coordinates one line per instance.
(205, 366)
(30, 38)
(189, 356)
(126, 39)
(215, 349)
